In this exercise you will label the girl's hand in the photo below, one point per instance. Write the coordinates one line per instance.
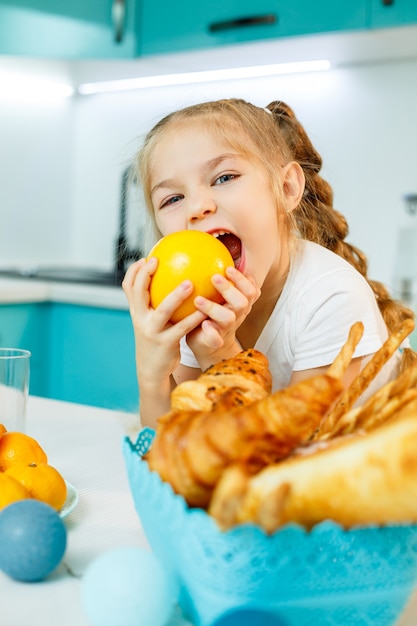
(215, 338)
(157, 339)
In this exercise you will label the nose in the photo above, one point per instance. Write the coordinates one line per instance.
(200, 206)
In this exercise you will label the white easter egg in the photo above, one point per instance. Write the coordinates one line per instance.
(128, 586)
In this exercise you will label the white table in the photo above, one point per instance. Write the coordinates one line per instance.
(85, 444)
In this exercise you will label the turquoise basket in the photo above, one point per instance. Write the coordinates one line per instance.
(325, 577)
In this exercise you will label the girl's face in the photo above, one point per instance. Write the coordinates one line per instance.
(198, 182)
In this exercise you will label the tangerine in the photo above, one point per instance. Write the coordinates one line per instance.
(11, 490)
(17, 447)
(3, 429)
(42, 481)
(188, 255)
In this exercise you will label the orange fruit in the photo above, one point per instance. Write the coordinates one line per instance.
(16, 447)
(2, 429)
(188, 255)
(11, 490)
(42, 481)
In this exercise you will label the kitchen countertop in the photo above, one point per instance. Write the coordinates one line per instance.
(14, 291)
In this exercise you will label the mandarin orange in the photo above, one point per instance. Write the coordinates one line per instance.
(17, 447)
(42, 481)
(188, 255)
(11, 490)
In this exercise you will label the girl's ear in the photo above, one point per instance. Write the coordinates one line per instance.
(293, 184)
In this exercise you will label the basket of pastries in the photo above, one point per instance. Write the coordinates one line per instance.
(301, 502)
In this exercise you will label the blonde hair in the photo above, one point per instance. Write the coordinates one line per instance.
(273, 137)
(249, 130)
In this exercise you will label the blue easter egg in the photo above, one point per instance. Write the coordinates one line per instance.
(248, 617)
(33, 540)
(128, 586)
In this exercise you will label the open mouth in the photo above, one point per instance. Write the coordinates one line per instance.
(232, 243)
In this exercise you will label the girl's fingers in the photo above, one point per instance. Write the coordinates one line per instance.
(236, 303)
(136, 287)
(165, 310)
(138, 277)
(238, 293)
(132, 272)
(245, 284)
(136, 272)
(173, 300)
(212, 338)
(219, 313)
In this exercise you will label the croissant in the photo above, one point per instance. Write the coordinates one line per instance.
(247, 373)
(192, 448)
(359, 479)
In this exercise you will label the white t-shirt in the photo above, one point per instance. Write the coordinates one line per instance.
(322, 297)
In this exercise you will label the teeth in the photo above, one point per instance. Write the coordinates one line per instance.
(221, 232)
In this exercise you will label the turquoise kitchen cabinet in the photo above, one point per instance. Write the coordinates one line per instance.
(71, 30)
(80, 353)
(78, 29)
(26, 326)
(187, 24)
(387, 13)
(100, 29)
(92, 357)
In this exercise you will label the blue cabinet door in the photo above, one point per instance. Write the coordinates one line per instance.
(26, 326)
(92, 357)
(71, 30)
(187, 24)
(387, 13)
(94, 29)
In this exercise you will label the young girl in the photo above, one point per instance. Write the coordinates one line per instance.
(250, 176)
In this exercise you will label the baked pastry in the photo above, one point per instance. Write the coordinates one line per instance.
(364, 478)
(247, 373)
(192, 448)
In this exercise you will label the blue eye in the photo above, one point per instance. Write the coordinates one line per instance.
(224, 178)
(171, 200)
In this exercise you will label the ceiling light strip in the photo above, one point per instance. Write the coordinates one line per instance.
(21, 86)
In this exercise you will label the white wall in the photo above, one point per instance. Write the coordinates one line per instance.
(363, 120)
(35, 176)
(61, 164)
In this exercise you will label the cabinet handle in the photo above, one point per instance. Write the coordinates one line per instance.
(241, 22)
(387, 3)
(118, 13)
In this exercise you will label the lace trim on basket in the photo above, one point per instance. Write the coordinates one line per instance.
(143, 441)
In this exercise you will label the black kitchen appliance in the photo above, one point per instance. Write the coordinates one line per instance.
(129, 246)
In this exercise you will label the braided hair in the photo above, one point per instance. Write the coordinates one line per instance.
(317, 220)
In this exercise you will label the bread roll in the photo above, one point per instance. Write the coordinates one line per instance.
(192, 448)
(358, 479)
(247, 373)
